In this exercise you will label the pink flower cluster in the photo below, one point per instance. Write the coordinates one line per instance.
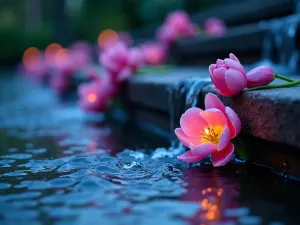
(121, 62)
(230, 77)
(214, 27)
(208, 132)
(176, 25)
(96, 95)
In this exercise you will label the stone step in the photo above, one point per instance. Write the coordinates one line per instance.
(276, 40)
(270, 118)
(245, 12)
(245, 41)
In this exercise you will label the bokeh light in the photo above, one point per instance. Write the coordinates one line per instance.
(32, 58)
(62, 56)
(51, 51)
(92, 97)
(107, 38)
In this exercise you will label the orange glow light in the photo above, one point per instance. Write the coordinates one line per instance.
(107, 38)
(61, 56)
(50, 52)
(92, 97)
(32, 58)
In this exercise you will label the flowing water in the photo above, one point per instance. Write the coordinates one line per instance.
(279, 44)
(57, 168)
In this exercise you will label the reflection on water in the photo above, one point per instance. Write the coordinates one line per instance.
(57, 169)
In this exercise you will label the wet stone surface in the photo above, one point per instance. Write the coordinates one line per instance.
(55, 168)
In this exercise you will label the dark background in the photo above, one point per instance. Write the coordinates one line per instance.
(27, 23)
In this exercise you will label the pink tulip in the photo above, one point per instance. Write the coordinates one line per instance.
(121, 62)
(80, 59)
(177, 25)
(93, 74)
(228, 76)
(259, 76)
(214, 27)
(94, 96)
(154, 53)
(80, 55)
(213, 102)
(208, 132)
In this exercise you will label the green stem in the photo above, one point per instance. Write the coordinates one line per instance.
(283, 78)
(290, 84)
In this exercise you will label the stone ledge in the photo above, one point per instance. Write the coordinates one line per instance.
(271, 115)
(203, 49)
(248, 11)
(245, 12)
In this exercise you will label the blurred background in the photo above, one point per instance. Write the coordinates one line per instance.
(27, 23)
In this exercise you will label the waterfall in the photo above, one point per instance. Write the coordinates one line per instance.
(280, 38)
(187, 90)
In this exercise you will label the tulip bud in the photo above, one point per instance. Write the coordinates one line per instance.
(260, 76)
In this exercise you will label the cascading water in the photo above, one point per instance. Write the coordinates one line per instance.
(280, 38)
(188, 90)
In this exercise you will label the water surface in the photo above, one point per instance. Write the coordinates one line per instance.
(57, 168)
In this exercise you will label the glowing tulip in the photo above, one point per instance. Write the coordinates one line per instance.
(259, 76)
(213, 102)
(214, 27)
(93, 74)
(154, 53)
(94, 96)
(207, 133)
(228, 76)
(121, 62)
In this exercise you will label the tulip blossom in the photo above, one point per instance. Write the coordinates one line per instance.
(214, 27)
(121, 62)
(208, 132)
(228, 76)
(93, 74)
(213, 102)
(176, 25)
(260, 76)
(80, 55)
(94, 96)
(154, 53)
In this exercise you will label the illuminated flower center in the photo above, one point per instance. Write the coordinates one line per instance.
(91, 97)
(210, 135)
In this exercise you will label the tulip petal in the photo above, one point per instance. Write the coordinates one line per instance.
(218, 78)
(259, 76)
(212, 101)
(233, 57)
(221, 158)
(191, 122)
(204, 149)
(235, 80)
(189, 157)
(125, 74)
(235, 65)
(235, 125)
(224, 139)
(107, 63)
(211, 68)
(221, 92)
(214, 118)
(186, 140)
